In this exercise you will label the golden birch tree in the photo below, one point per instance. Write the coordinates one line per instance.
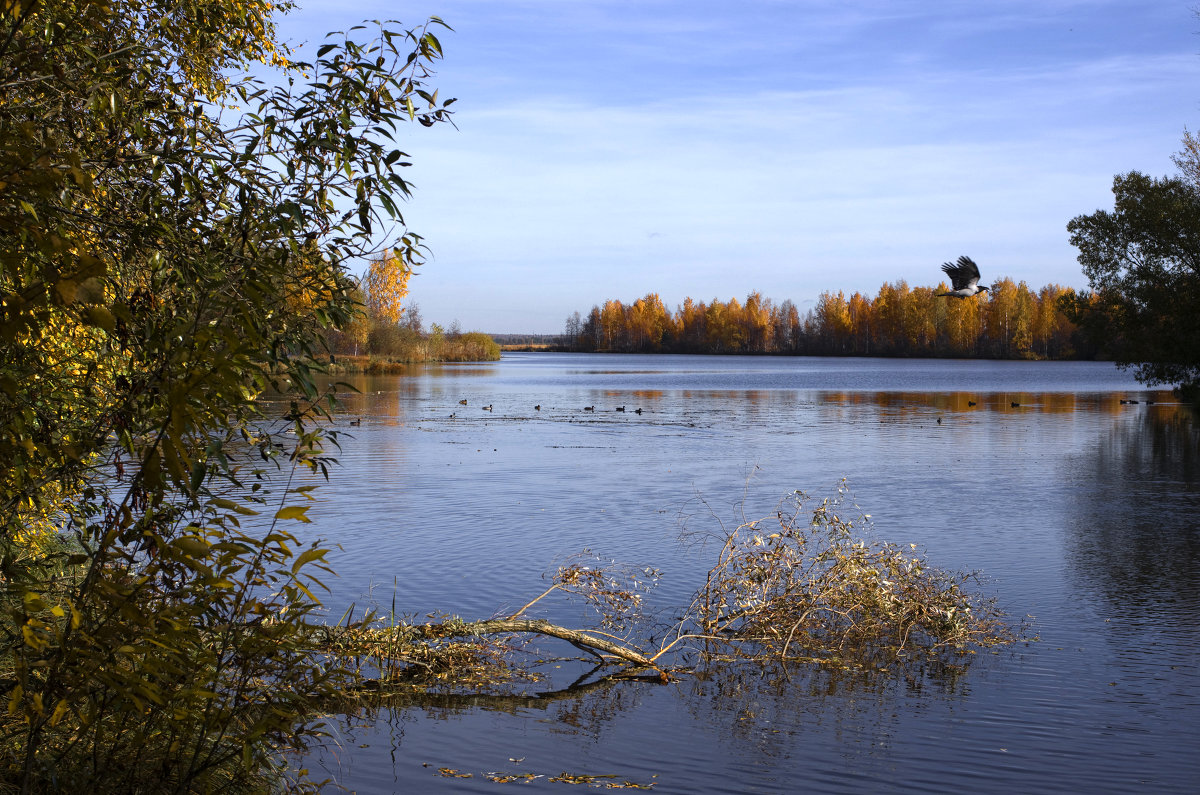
(386, 285)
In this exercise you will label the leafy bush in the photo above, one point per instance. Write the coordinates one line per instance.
(175, 243)
(472, 346)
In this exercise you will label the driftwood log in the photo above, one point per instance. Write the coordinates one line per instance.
(324, 637)
(581, 640)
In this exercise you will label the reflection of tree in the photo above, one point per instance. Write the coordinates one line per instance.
(1136, 539)
(740, 696)
(749, 697)
(906, 406)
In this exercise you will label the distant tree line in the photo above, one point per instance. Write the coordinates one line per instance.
(1012, 321)
(532, 341)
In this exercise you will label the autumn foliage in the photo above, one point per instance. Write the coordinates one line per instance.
(1010, 321)
(387, 285)
(175, 243)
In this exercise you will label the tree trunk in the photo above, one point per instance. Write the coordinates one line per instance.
(582, 640)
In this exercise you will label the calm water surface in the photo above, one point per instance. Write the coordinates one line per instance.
(1079, 511)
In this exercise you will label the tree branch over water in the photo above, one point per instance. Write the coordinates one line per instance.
(803, 585)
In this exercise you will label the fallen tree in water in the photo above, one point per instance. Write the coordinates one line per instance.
(800, 586)
(803, 592)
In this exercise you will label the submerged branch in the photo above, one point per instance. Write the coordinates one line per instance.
(359, 639)
(808, 590)
(504, 702)
(582, 640)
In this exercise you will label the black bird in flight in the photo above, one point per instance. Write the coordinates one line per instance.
(964, 276)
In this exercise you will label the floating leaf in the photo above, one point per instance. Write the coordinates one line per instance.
(449, 772)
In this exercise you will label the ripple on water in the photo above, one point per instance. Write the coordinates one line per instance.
(1050, 500)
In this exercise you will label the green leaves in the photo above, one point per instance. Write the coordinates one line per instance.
(100, 317)
(167, 258)
(1143, 262)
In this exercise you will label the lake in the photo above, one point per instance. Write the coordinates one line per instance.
(1081, 514)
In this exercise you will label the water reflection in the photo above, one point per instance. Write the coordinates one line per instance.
(1081, 509)
(762, 717)
(1135, 540)
(899, 405)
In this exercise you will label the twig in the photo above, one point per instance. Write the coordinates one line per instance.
(535, 601)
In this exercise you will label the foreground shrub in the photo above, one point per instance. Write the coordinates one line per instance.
(175, 243)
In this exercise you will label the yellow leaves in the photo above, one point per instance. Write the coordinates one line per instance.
(230, 505)
(203, 297)
(33, 602)
(449, 772)
(307, 556)
(35, 706)
(607, 781)
(1014, 320)
(432, 43)
(17, 8)
(192, 547)
(508, 778)
(40, 627)
(34, 638)
(296, 512)
(14, 699)
(387, 284)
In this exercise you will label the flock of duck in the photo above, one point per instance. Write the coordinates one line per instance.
(538, 407)
(621, 409)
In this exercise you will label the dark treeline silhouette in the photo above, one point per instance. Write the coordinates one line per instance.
(1011, 321)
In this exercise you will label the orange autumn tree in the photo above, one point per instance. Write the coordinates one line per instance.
(1011, 321)
(386, 284)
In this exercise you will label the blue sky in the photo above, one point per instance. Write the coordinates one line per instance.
(607, 149)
